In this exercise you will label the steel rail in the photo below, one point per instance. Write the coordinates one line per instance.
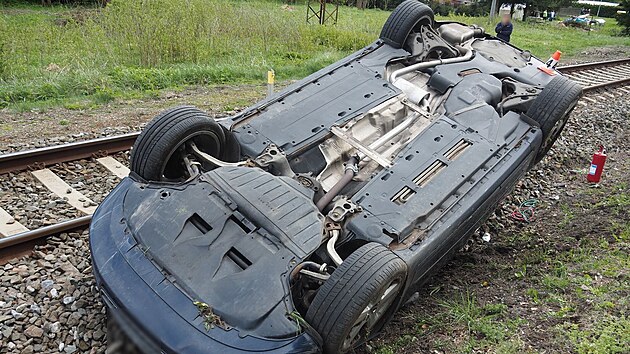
(590, 76)
(593, 65)
(45, 231)
(607, 84)
(40, 158)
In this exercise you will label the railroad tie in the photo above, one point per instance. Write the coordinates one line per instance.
(63, 190)
(8, 225)
(114, 166)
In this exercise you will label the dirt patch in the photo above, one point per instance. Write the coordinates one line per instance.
(19, 130)
(598, 54)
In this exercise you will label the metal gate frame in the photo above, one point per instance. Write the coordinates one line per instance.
(322, 14)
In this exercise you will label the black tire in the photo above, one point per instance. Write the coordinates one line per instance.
(157, 154)
(232, 151)
(403, 20)
(363, 278)
(552, 108)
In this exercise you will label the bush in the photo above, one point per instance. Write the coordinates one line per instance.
(624, 19)
(604, 11)
(439, 8)
(475, 9)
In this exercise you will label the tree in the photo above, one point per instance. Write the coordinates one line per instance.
(362, 4)
(624, 18)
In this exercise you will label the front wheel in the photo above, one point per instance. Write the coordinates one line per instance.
(160, 152)
(358, 298)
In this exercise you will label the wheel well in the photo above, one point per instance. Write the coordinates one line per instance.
(348, 247)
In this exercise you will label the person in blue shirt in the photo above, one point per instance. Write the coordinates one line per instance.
(504, 28)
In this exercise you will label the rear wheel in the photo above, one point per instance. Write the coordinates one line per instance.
(552, 109)
(160, 151)
(358, 298)
(408, 16)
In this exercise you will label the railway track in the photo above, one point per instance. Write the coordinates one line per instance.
(598, 75)
(17, 239)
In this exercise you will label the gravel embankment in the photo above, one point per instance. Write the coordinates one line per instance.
(122, 157)
(604, 121)
(48, 301)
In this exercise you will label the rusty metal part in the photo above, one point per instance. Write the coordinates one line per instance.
(275, 161)
(341, 208)
(330, 225)
(40, 158)
(416, 235)
(607, 84)
(20, 250)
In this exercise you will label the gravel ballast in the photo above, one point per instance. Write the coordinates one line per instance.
(30, 203)
(88, 177)
(49, 302)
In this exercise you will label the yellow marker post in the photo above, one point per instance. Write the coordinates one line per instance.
(271, 78)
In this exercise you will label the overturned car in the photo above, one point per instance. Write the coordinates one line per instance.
(301, 224)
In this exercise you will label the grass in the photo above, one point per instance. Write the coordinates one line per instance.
(51, 56)
(585, 287)
(135, 46)
(487, 327)
(607, 335)
(563, 290)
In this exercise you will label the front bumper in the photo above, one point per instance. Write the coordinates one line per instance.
(152, 310)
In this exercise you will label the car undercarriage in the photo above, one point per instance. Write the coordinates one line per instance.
(306, 220)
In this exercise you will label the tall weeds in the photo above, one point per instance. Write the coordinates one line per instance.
(153, 44)
(145, 45)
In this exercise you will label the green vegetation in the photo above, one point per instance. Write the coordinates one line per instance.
(563, 290)
(489, 328)
(133, 46)
(624, 17)
(59, 55)
(485, 323)
(608, 335)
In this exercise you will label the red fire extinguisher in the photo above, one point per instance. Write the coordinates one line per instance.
(597, 165)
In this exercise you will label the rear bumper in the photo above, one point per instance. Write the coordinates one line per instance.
(150, 309)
